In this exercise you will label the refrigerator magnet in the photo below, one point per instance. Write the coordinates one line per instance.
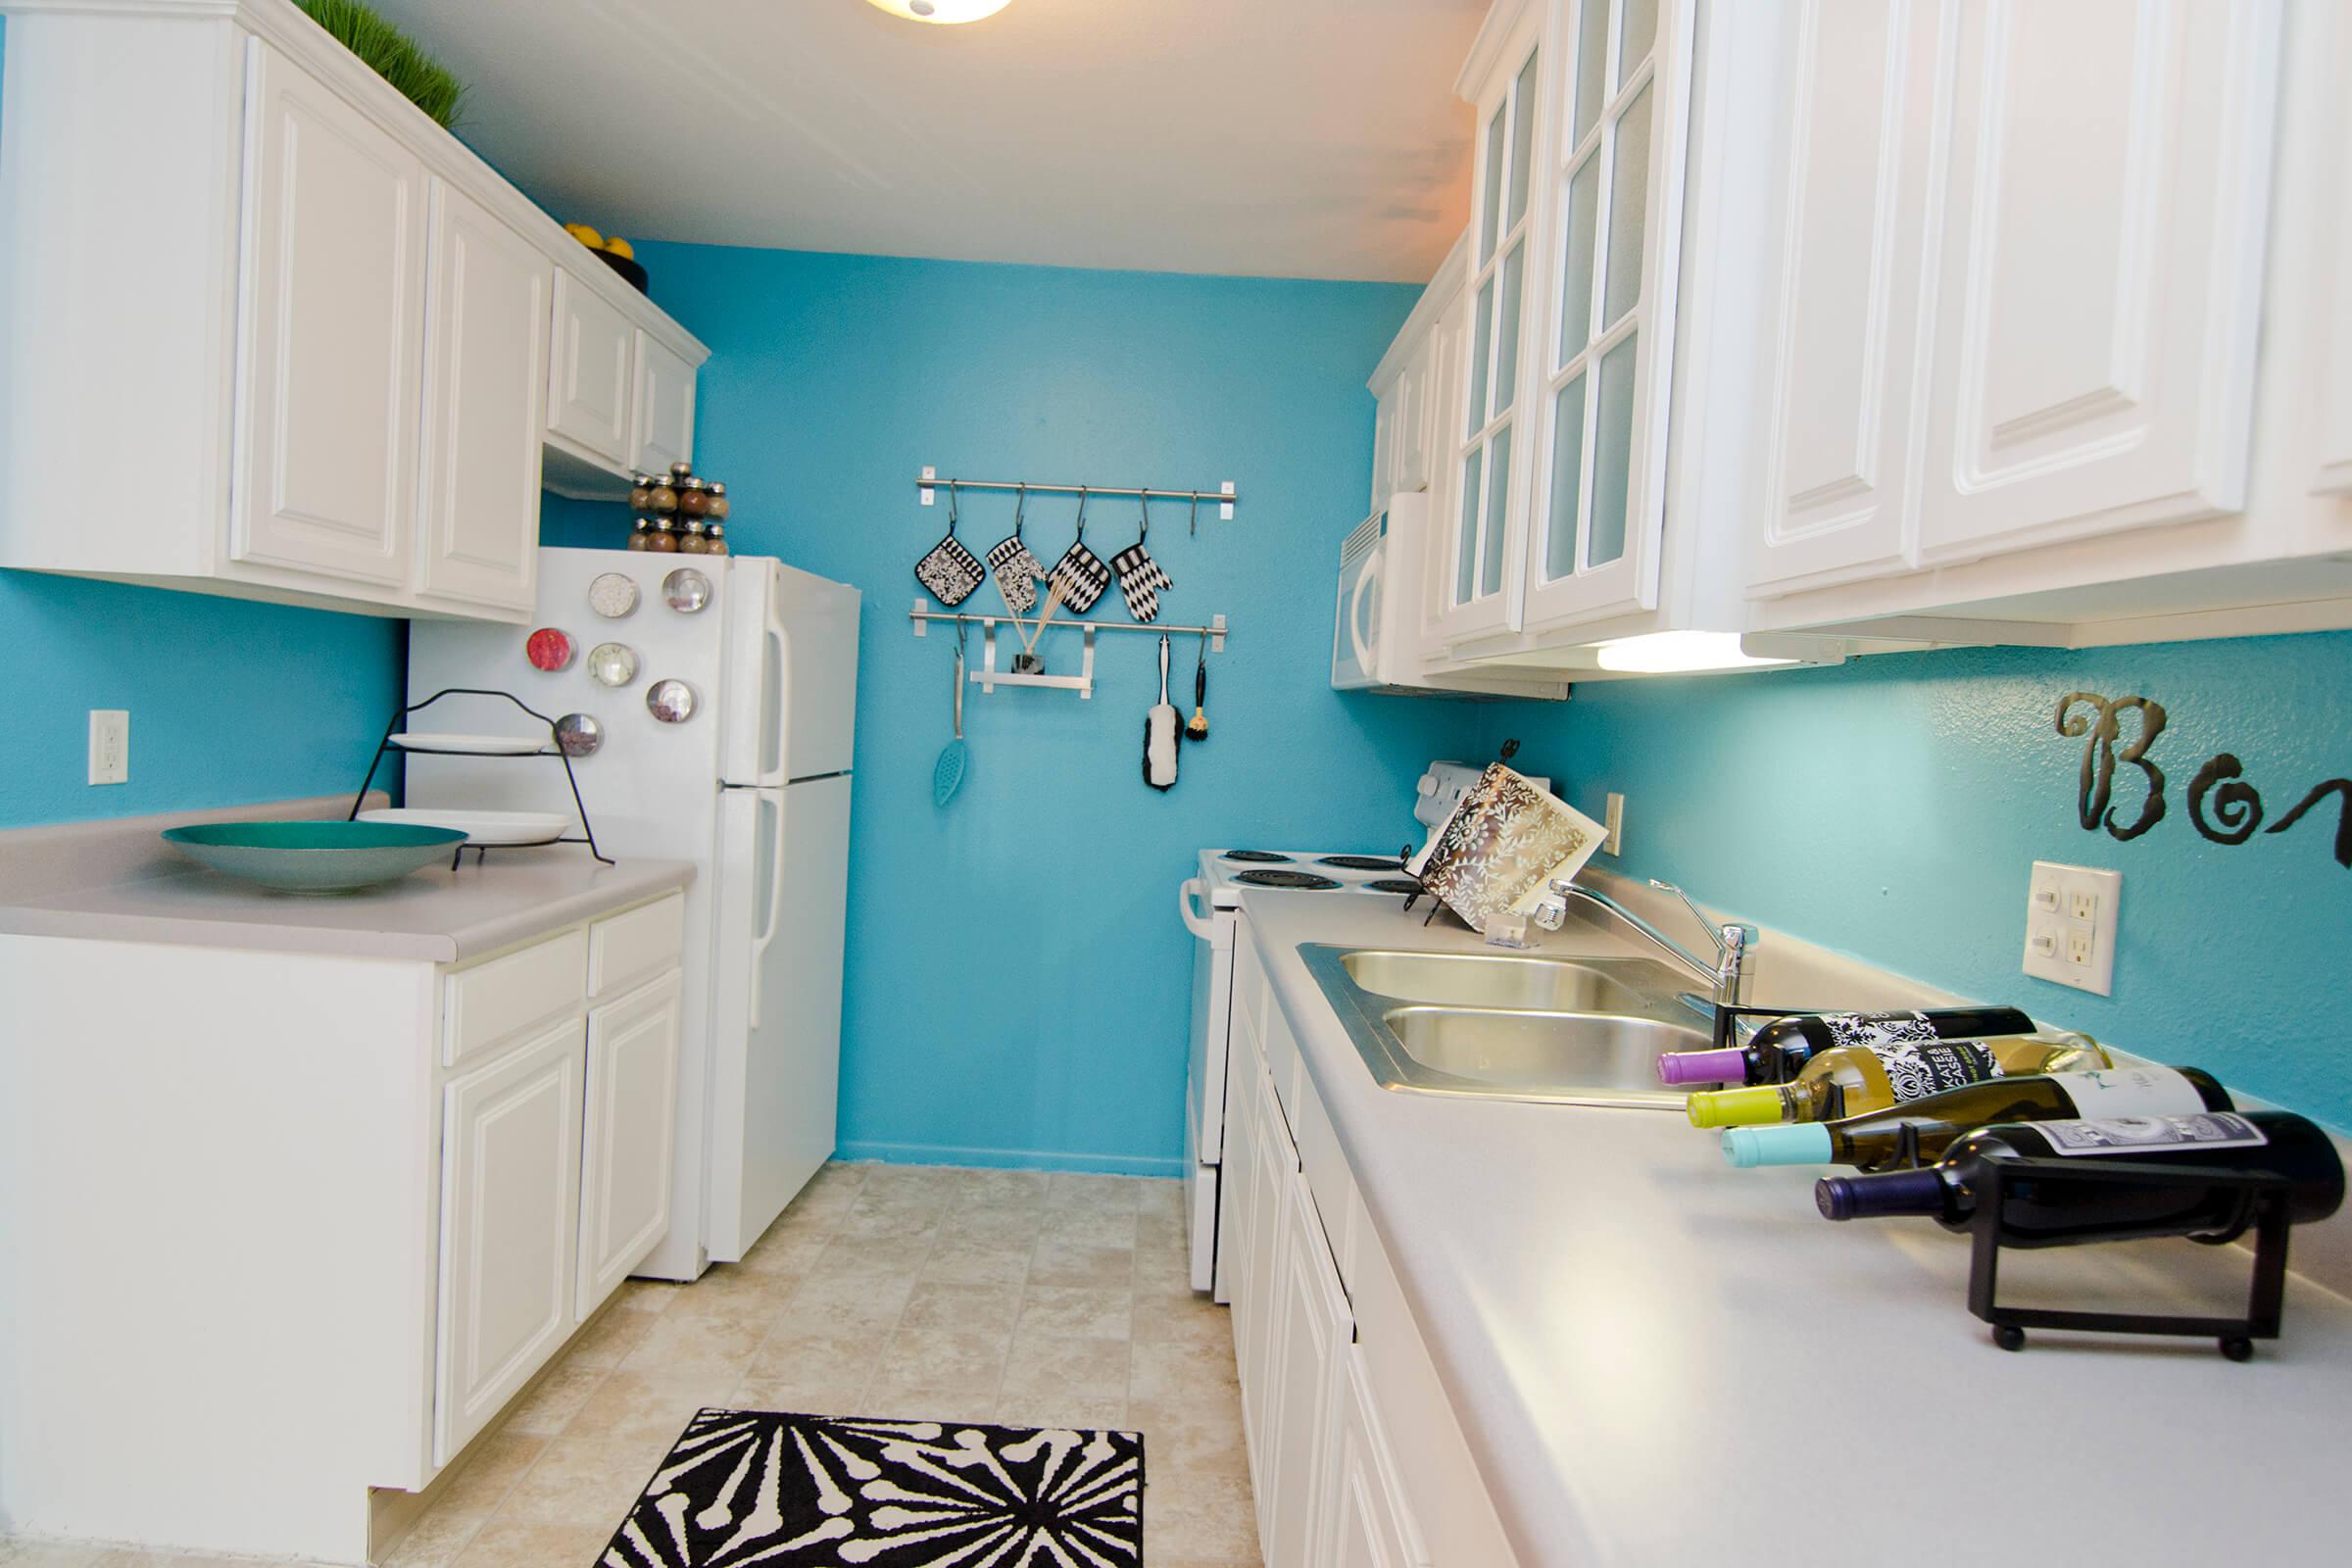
(687, 590)
(551, 648)
(613, 595)
(669, 701)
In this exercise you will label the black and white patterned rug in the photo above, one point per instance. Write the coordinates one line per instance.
(745, 1487)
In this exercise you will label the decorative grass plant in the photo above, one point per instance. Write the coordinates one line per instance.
(392, 55)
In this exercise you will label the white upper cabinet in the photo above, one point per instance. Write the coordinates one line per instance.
(289, 337)
(1845, 355)
(485, 369)
(593, 379)
(332, 306)
(661, 412)
(1483, 450)
(1614, 205)
(2096, 328)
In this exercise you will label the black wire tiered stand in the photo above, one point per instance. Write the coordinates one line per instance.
(554, 744)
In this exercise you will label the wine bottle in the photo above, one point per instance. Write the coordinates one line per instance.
(1873, 1140)
(1856, 1080)
(1776, 1051)
(2057, 1212)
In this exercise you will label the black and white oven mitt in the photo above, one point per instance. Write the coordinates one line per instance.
(1140, 581)
(1017, 572)
(1080, 571)
(949, 572)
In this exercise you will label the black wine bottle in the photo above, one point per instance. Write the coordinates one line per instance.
(1776, 1051)
(2051, 1210)
(1931, 1124)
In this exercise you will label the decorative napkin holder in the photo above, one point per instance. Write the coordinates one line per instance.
(1504, 846)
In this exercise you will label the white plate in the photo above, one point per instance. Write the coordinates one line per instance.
(496, 745)
(480, 828)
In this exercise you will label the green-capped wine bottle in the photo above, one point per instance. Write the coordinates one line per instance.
(2057, 1212)
(1875, 1140)
(1776, 1051)
(1856, 1080)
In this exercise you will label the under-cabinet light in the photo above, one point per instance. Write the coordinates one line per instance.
(943, 12)
(1669, 652)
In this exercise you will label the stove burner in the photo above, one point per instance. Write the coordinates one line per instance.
(1284, 879)
(1362, 862)
(1260, 857)
(1394, 884)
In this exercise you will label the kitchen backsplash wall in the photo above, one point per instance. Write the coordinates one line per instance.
(1018, 983)
(229, 702)
(1891, 808)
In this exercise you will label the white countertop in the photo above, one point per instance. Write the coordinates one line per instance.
(1654, 1357)
(437, 914)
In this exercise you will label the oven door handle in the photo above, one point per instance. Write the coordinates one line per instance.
(1203, 926)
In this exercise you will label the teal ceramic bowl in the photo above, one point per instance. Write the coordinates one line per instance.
(314, 856)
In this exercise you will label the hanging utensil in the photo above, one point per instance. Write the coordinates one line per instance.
(947, 774)
(1081, 572)
(1198, 730)
(1017, 571)
(1160, 730)
(1141, 579)
(949, 572)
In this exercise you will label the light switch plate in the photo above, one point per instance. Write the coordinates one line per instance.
(1613, 820)
(110, 746)
(2070, 925)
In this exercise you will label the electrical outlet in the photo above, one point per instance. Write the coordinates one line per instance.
(110, 746)
(2070, 925)
(1613, 820)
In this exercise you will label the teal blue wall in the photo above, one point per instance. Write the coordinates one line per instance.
(1890, 809)
(1017, 981)
(228, 702)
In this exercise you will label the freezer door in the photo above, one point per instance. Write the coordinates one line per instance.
(792, 682)
(776, 1047)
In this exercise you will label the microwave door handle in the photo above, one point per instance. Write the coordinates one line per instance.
(1356, 602)
(1200, 926)
(775, 900)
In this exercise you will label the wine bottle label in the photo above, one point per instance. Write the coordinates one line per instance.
(1870, 1029)
(2137, 1135)
(2100, 1093)
(1917, 1068)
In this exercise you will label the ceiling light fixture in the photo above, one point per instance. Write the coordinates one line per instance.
(1673, 653)
(942, 12)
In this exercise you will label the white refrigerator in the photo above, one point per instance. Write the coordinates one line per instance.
(754, 788)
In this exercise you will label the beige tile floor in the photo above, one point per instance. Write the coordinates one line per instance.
(902, 1290)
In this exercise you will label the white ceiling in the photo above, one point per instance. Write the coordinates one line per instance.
(1291, 138)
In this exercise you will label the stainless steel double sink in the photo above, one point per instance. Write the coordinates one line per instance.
(1577, 1031)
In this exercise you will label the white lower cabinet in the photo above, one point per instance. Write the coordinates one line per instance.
(1306, 1335)
(1365, 1524)
(631, 1131)
(510, 1227)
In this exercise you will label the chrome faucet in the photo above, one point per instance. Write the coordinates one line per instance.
(1733, 941)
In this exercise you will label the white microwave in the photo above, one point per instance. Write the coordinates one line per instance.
(1356, 628)
(1376, 630)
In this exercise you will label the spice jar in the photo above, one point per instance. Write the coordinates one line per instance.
(641, 536)
(664, 540)
(696, 542)
(694, 499)
(718, 505)
(641, 492)
(660, 498)
(679, 469)
(718, 538)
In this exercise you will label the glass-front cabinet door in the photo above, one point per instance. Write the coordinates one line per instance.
(1606, 343)
(1484, 447)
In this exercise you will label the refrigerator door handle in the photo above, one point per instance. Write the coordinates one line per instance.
(772, 630)
(775, 904)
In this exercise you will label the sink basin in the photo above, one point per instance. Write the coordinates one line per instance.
(1590, 1058)
(1543, 985)
(1579, 1031)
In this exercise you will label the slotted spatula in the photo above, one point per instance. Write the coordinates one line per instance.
(947, 774)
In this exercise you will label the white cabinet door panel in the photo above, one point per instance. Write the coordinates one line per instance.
(485, 373)
(630, 1134)
(2332, 445)
(509, 1228)
(332, 340)
(1369, 1524)
(1308, 1330)
(1863, 145)
(662, 417)
(2101, 272)
(592, 371)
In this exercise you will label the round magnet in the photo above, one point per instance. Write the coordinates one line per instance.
(551, 648)
(612, 664)
(669, 701)
(613, 595)
(579, 734)
(687, 590)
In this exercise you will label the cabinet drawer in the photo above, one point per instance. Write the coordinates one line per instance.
(1328, 1182)
(636, 945)
(495, 1002)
